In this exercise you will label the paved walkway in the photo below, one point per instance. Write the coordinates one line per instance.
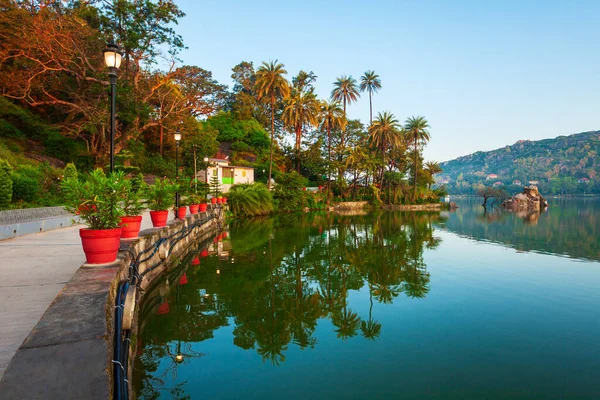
(33, 270)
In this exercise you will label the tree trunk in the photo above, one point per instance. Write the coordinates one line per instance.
(272, 140)
(161, 139)
(329, 165)
(370, 108)
(298, 143)
(415, 181)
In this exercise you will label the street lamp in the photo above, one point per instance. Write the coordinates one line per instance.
(112, 59)
(177, 139)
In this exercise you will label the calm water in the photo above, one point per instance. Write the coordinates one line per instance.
(455, 305)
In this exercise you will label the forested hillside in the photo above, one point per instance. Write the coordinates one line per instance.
(564, 165)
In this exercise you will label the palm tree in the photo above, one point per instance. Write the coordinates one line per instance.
(432, 168)
(270, 83)
(416, 130)
(345, 91)
(371, 83)
(301, 109)
(385, 132)
(332, 117)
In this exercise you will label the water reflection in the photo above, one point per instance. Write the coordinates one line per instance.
(273, 281)
(568, 227)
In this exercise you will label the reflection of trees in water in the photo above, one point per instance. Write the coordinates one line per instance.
(291, 272)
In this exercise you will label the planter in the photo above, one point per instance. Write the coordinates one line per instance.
(224, 200)
(159, 218)
(219, 200)
(213, 200)
(224, 235)
(183, 280)
(194, 208)
(131, 226)
(204, 253)
(181, 212)
(203, 207)
(100, 246)
(196, 261)
(163, 308)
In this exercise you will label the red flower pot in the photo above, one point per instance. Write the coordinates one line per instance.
(224, 200)
(219, 200)
(213, 200)
(304, 189)
(183, 280)
(203, 207)
(224, 235)
(163, 308)
(100, 245)
(196, 261)
(204, 253)
(181, 212)
(131, 226)
(194, 208)
(159, 218)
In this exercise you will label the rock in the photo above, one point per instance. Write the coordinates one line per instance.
(530, 199)
(453, 205)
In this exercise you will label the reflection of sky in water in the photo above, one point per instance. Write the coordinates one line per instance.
(496, 323)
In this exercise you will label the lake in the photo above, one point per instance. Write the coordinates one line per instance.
(450, 305)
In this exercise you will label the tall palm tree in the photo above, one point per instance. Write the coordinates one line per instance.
(332, 117)
(301, 109)
(271, 83)
(385, 132)
(371, 83)
(345, 91)
(432, 168)
(417, 131)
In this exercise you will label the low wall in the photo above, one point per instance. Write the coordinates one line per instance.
(351, 205)
(14, 223)
(69, 354)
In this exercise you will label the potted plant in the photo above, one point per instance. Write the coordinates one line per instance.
(194, 200)
(98, 203)
(133, 206)
(160, 197)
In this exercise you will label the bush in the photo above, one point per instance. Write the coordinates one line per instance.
(27, 184)
(250, 199)
(161, 195)
(288, 193)
(6, 184)
(70, 171)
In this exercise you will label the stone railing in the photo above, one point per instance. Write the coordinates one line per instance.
(69, 354)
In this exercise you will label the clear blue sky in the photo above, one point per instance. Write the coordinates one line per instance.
(485, 73)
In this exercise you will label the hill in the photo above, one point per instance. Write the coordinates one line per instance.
(563, 165)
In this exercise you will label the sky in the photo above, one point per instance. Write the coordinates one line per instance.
(484, 73)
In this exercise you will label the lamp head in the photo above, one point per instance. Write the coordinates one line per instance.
(177, 137)
(112, 56)
(179, 358)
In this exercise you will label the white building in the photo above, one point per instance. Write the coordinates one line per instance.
(228, 174)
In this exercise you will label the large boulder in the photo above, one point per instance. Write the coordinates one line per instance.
(530, 199)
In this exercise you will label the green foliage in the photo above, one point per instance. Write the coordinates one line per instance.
(215, 186)
(70, 171)
(27, 185)
(230, 129)
(250, 199)
(97, 200)
(6, 184)
(161, 195)
(133, 196)
(288, 191)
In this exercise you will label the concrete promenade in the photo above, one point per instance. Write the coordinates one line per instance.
(33, 271)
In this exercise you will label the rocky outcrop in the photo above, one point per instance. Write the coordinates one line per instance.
(530, 199)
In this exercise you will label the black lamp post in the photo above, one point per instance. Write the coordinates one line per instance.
(112, 59)
(177, 139)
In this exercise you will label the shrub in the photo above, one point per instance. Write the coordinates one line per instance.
(6, 184)
(250, 199)
(97, 200)
(161, 195)
(27, 184)
(288, 193)
(133, 194)
(70, 171)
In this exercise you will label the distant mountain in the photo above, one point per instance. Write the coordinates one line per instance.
(564, 165)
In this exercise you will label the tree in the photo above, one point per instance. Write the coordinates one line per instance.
(490, 192)
(345, 91)
(301, 109)
(332, 116)
(417, 131)
(6, 184)
(383, 133)
(371, 83)
(271, 83)
(432, 168)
